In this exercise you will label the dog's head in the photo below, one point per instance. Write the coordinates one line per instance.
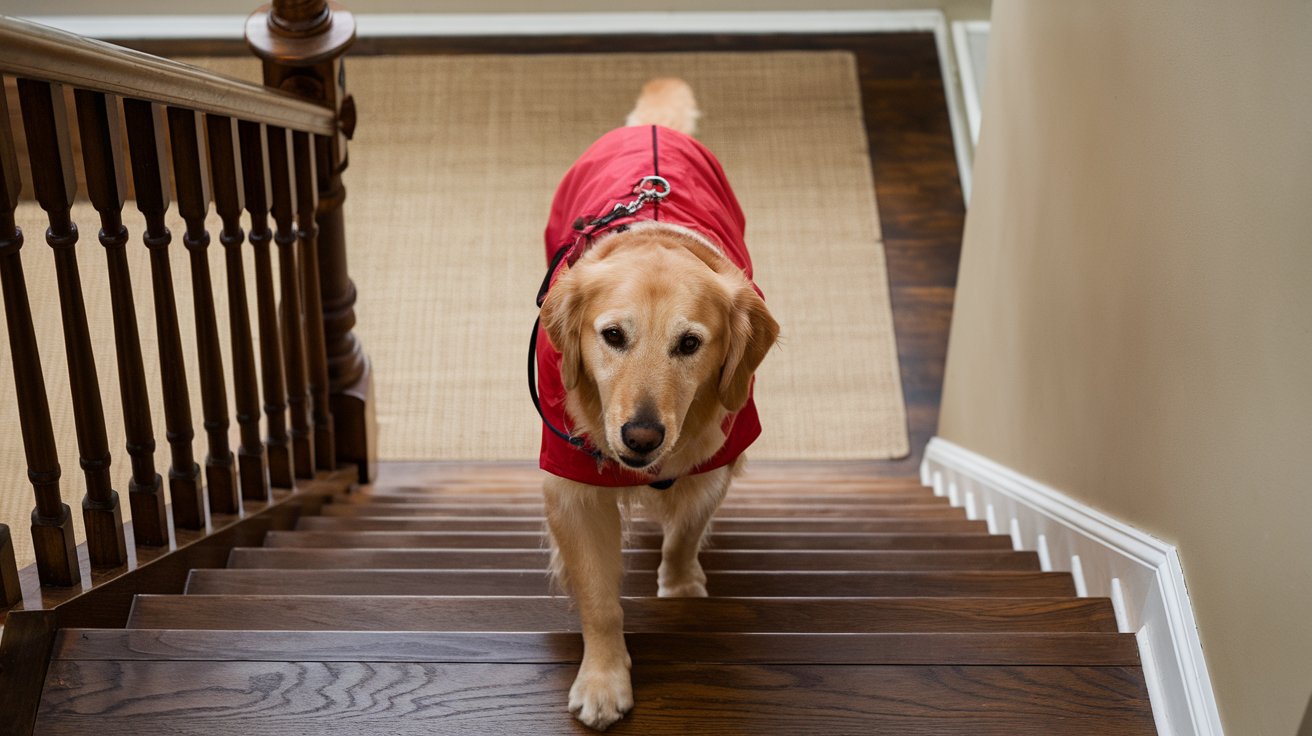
(658, 334)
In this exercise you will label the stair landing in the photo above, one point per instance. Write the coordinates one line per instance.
(841, 603)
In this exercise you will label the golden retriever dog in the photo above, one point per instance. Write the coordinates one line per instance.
(655, 332)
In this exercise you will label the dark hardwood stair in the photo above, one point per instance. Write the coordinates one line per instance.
(777, 540)
(713, 559)
(534, 524)
(814, 584)
(421, 605)
(782, 508)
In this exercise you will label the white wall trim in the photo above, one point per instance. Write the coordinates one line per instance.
(376, 25)
(118, 27)
(382, 25)
(962, 31)
(949, 67)
(1140, 573)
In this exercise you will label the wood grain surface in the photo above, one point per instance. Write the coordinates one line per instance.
(453, 613)
(529, 523)
(636, 583)
(565, 648)
(729, 511)
(283, 698)
(639, 540)
(761, 560)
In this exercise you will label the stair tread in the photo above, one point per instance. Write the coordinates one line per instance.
(712, 559)
(1082, 649)
(475, 613)
(535, 582)
(736, 496)
(340, 698)
(535, 523)
(429, 472)
(640, 540)
(889, 511)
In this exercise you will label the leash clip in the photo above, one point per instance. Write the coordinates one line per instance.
(649, 189)
(660, 190)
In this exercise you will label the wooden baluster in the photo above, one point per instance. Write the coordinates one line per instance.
(45, 122)
(281, 180)
(150, 178)
(52, 522)
(307, 197)
(11, 591)
(302, 43)
(191, 177)
(102, 155)
(255, 176)
(229, 190)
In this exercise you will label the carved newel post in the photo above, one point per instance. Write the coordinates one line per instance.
(302, 43)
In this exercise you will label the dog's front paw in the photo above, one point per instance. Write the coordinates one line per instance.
(673, 581)
(689, 589)
(601, 695)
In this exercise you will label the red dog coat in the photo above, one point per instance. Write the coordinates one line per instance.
(699, 199)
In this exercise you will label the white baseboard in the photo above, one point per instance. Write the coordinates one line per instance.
(1141, 574)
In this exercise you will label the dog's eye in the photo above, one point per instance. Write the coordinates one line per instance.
(689, 344)
(613, 336)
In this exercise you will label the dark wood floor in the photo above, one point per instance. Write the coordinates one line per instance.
(911, 153)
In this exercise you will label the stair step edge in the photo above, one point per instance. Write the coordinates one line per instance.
(999, 649)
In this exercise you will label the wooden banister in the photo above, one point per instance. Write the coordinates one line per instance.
(192, 179)
(52, 522)
(229, 193)
(45, 121)
(146, 143)
(307, 210)
(282, 176)
(106, 175)
(255, 168)
(35, 51)
(249, 150)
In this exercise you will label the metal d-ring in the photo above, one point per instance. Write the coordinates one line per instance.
(659, 191)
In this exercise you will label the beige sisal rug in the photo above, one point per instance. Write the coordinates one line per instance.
(452, 172)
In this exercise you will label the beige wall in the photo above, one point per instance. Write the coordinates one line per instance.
(1133, 324)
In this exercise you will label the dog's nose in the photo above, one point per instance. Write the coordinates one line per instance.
(642, 437)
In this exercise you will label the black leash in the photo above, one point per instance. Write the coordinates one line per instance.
(577, 442)
(649, 189)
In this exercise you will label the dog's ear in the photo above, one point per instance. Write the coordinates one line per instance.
(562, 318)
(751, 333)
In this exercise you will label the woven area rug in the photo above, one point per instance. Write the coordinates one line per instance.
(451, 175)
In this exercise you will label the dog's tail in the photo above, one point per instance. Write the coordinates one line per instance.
(667, 102)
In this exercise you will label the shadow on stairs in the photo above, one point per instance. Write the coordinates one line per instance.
(841, 603)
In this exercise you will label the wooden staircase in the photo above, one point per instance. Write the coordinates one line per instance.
(841, 603)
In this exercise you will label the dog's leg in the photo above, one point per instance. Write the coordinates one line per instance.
(686, 514)
(586, 534)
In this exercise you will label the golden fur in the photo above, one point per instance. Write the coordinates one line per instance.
(656, 285)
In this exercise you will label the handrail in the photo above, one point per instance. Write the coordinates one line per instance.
(32, 50)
